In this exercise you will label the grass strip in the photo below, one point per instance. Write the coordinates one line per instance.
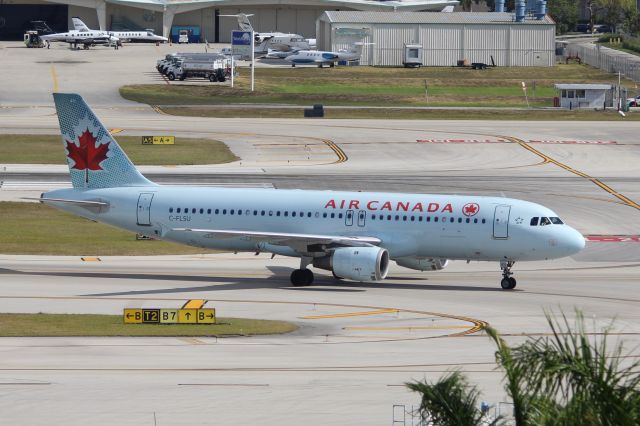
(34, 228)
(48, 149)
(59, 325)
(373, 86)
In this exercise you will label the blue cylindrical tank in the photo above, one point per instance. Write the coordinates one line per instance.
(541, 10)
(499, 5)
(520, 10)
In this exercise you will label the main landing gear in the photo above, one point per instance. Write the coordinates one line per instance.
(302, 277)
(508, 282)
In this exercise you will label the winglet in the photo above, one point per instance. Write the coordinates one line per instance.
(95, 159)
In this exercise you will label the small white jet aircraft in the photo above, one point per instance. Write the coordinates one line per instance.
(274, 40)
(141, 36)
(322, 57)
(354, 235)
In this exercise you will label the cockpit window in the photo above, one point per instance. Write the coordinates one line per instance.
(544, 221)
(534, 221)
(556, 220)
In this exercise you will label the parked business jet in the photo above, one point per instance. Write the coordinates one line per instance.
(322, 57)
(273, 40)
(81, 38)
(139, 36)
(355, 235)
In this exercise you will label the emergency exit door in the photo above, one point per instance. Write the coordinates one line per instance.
(144, 208)
(501, 222)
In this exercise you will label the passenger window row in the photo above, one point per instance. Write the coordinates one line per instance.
(278, 213)
(248, 212)
(543, 221)
(406, 218)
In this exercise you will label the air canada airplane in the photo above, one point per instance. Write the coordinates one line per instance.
(355, 235)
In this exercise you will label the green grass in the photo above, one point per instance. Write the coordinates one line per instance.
(46, 149)
(54, 325)
(370, 86)
(33, 228)
(406, 114)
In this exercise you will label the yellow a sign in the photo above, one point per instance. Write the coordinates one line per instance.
(158, 140)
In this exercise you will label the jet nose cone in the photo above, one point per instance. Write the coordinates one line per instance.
(574, 241)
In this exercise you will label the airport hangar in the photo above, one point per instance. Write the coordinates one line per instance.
(446, 38)
(295, 16)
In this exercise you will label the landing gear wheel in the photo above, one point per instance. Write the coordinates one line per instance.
(301, 277)
(507, 282)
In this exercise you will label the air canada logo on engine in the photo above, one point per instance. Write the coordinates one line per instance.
(470, 209)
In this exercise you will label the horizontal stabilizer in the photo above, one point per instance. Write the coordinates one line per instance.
(61, 200)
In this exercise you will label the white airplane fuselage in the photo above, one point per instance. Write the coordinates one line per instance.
(140, 36)
(408, 225)
(354, 235)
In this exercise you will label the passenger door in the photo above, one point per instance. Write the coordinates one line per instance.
(144, 208)
(501, 222)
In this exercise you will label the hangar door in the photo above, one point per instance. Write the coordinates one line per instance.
(15, 19)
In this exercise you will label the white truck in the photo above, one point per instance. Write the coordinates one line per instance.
(210, 70)
(183, 37)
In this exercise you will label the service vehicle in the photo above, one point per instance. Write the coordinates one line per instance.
(183, 37)
(32, 39)
(210, 70)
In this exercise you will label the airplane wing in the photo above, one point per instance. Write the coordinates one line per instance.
(298, 242)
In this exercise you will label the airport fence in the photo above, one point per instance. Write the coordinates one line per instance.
(409, 415)
(606, 59)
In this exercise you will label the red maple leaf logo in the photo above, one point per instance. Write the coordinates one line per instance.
(87, 156)
(470, 209)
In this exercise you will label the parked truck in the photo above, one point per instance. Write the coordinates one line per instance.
(210, 70)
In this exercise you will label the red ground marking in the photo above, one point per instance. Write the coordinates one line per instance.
(613, 238)
(461, 141)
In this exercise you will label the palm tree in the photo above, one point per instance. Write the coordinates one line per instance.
(449, 401)
(577, 377)
(571, 377)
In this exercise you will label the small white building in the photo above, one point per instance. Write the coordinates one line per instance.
(588, 96)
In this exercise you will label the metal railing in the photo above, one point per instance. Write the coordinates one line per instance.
(606, 59)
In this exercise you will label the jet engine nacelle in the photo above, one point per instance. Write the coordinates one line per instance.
(356, 263)
(422, 264)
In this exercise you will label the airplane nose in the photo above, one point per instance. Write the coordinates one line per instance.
(574, 241)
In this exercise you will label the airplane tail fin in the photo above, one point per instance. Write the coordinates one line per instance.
(95, 159)
(78, 25)
(243, 22)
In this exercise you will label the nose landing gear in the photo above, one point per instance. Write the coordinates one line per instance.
(507, 282)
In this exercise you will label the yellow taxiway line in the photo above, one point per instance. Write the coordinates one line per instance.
(434, 327)
(353, 314)
(54, 76)
(596, 181)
